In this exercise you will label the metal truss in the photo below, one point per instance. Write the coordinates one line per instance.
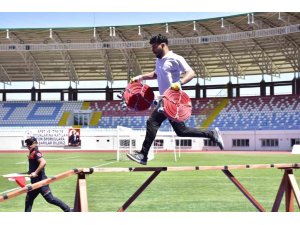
(229, 62)
(197, 63)
(70, 68)
(104, 56)
(291, 52)
(259, 55)
(122, 44)
(133, 65)
(4, 76)
(288, 47)
(31, 65)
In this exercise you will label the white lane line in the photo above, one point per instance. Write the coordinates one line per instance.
(74, 157)
(4, 192)
(104, 164)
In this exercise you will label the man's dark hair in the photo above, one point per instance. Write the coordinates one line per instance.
(158, 39)
(30, 141)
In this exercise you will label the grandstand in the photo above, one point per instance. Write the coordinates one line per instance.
(265, 44)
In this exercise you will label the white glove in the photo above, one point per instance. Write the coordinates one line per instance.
(136, 78)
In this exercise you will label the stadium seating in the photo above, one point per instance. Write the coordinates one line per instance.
(46, 113)
(260, 113)
(244, 113)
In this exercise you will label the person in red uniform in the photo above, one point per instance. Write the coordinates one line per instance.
(37, 173)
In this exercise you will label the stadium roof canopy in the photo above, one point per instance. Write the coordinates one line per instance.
(246, 44)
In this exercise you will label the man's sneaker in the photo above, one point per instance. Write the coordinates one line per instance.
(218, 138)
(137, 157)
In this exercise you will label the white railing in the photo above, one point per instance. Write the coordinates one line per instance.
(270, 32)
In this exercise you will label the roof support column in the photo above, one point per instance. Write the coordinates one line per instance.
(263, 86)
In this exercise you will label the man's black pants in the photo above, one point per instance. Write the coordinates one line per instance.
(45, 191)
(154, 122)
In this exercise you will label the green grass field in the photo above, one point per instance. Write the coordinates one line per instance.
(191, 191)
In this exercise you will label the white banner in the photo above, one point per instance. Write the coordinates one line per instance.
(49, 137)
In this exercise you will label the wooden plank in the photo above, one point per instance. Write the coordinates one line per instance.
(37, 185)
(83, 196)
(77, 207)
(289, 195)
(139, 191)
(279, 195)
(81, 200)
(192, 168)
(244, 190)
(295, 188)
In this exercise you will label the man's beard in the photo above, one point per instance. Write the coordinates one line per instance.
(159, 55)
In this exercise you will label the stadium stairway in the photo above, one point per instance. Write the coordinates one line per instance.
(85, 105)
(64, 119)
(218, 106)
(96, 117)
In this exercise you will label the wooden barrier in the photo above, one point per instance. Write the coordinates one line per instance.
(30, 187)
(288, 185)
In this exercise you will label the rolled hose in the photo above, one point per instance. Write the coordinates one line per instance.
(138, 96)
(177, 105)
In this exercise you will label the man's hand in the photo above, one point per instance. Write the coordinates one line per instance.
(136, 78)
(33, 174)
(176, 86)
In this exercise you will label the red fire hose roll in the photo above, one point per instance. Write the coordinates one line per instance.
(138, 96)
(177, 105)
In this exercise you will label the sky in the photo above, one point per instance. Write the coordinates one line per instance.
(10, 20)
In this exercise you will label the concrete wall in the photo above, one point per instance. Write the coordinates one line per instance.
(107, 139)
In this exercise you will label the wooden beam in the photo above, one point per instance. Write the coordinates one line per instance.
(279, 195)
(244, 190)
(39, 184)
(295, 188)
(81, 200)
(139, 191)
(288, 184)
(192, 168)
(289, 195)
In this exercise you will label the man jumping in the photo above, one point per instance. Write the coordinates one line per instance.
(168, 69)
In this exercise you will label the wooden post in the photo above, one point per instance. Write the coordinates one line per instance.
(81, 200)
(244, 190)
(295, 188)
(289, 195)
(290, 187)
(139, 191)
(279, 195)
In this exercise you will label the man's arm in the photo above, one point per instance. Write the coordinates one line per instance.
(187, 77)
(147, 76)
(42, 164)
